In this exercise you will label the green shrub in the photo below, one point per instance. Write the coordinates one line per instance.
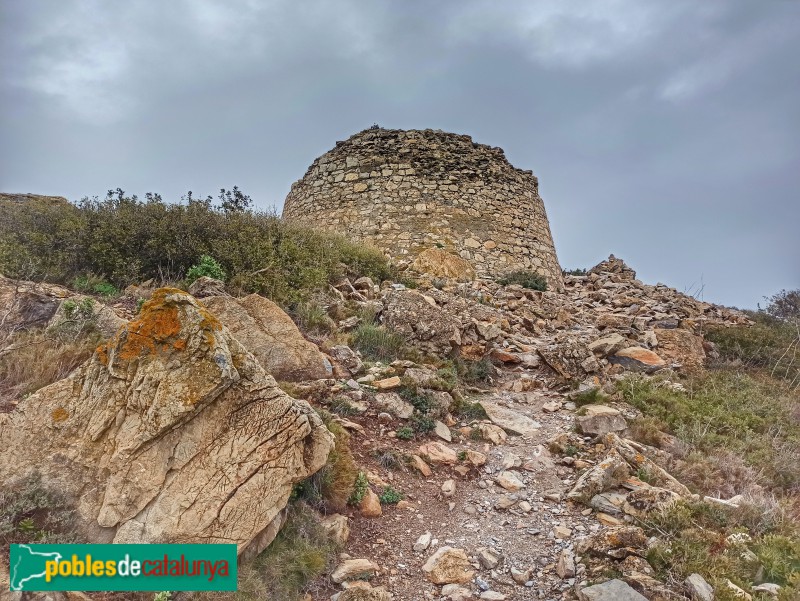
(468, 411)
(92, 284)
(359, 489)
(208, 267)
(526, 279)
(475, 372)
(390, 496)
(125, 240)
(332, 487)
(749, 416)
(405, 433)
(376, 343)
(30, 512)
(421, 423)
(311, 317)
(578, 271)
(301, 552)
(770, 343)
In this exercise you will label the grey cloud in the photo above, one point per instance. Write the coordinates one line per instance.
(663, 132)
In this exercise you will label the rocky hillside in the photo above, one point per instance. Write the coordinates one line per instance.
(428, 436)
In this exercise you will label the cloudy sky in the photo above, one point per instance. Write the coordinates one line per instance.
(664, 131)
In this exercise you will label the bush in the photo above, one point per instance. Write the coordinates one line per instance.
(376, 343)
(770, 343)
(390, 496)
(33, 513)
(359, 489)
(728, 416)
(332, 487)
(207, 267)
(301, 553)
(123, 240)
(405, 433)
(526, 279)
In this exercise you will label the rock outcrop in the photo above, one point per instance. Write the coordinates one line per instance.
(171, 432)
(270, 334)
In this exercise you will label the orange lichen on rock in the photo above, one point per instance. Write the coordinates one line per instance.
(156, 329)
(60, 414)
(102, 354)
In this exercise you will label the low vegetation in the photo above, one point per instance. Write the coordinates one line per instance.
(33, 513)
(292, 564)
(376, 343)
(30, 360)
(527, 279)
(124, 240)
(736, 431)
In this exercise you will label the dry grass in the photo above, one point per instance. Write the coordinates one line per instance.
(332, 486)
(32, 360)
(289, 567)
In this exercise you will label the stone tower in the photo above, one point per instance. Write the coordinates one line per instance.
(408, 190)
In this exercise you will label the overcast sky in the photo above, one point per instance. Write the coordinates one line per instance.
(666, 132)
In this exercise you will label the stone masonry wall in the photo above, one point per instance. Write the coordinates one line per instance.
(408, 190)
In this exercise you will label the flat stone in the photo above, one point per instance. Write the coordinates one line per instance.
(423, 542)
(442, 431)
(353, 569)
(613, 590)
(510, 481)
(393, 403)
(448, 565)
(387, 383)
(510, 420)
(437, 452)
(698, 588)
(636, 358)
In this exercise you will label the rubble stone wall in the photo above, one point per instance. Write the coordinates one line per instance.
(408, 190)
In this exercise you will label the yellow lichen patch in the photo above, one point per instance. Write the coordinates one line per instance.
(209, 325)
(59, 415)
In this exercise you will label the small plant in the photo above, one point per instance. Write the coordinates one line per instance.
(469, 411)
(644, 475)
(106, 289)
(593, 396)
(208, 267)
(390, 496)
(360, 489)
(341, 406)
(422, 424)
(405, 433)
(139, 304)
(578, 271)
(421, 401)
(475, 372)
(377, 343)
(527, 279)
(78, 311)
(311, 317)
(390, 460)
(163, 596)
(462, 455)
(571, 450)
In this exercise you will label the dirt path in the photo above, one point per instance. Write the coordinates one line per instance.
(525, 538)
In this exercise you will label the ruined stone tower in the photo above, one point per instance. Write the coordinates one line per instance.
(408, 190)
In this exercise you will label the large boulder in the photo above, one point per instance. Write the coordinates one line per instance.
(682, 347)
(25, 305)
(271, 335)
(422, 322)
(28, 304)
(442, 264)
(172, 432)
